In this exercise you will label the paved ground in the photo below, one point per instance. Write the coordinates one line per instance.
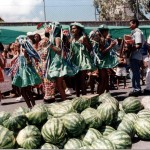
(9, 104)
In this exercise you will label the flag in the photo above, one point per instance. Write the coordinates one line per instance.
(40, 26)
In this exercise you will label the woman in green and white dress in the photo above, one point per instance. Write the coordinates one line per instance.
(80, 52)
(107, 58)
(58, 65)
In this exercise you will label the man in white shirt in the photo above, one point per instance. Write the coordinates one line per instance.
(136, 57)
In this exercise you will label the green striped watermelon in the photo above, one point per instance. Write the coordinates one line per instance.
(40, 107)
(91, 117)
(103, 97)
(91, 135)
(130, 117)
(74, 123)
(49, 146)
(53, 131)
(37, 117)
(106, 130)
(73, 144)
(4, 116)
(15, 123)
(131, 105)
(120, 116)
(142, 128)
(108, 112)
(67, 103)
(86, 147)
(120, 139)
(81, 103)
(106, 97)
(145, 113)
(29, 137)
(103, 143)
(59, 109)
(128, 127)
(7, 139)
(20, 111)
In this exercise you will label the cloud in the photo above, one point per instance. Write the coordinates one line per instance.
(20, 10)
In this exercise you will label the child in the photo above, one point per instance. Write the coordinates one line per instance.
(147, 61)
(26, 75)
(121, 70)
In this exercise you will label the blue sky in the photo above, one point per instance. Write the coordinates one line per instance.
(80, 10)
(56, 10)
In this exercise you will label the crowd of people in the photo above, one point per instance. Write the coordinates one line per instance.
(66, 61)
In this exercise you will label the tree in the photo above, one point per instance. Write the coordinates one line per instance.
(122, 9)
(1, 20)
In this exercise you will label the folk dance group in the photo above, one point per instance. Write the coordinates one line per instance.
(45, 62)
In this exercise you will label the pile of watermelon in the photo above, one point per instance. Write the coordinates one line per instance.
(94, 122)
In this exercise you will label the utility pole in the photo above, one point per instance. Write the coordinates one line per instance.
(44, 11)
(137, 9)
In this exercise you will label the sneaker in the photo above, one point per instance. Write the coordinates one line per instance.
(19, 99)
(135, 93)
(69, 91)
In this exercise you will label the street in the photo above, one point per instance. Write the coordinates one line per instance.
(9, 104)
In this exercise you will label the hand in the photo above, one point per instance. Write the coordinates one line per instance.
(113, 43)
(48, 29)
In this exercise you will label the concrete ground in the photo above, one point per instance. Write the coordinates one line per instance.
(9, 104)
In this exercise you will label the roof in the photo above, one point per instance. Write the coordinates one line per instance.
(8, 34)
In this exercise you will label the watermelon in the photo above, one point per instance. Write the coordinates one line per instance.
(108, 112)
(81, 103)
(142, 128)
(74, 123)
(131, 105)
(29, 137)
(145, 113)
(49, 146)
(91, 135)
(73, 144)
(20, 111)
(37, 117)
(103, 97)
(106, 130)
(86, 147)
(106, 97)
(130, 117)
(40, 107)
(120, 116)
(53, 131)
(67, 103)
(59, 109)
(15, 123)
(120, 139)
(92, 118)
(4, 116)
(94, 99)
(103, 143)
(7, 139)
(128, 127)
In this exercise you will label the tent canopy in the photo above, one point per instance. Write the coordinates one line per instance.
(8, 34)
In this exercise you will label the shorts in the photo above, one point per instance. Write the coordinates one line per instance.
(121, 71)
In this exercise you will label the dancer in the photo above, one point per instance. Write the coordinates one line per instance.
(26, 75)
(80, 50)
